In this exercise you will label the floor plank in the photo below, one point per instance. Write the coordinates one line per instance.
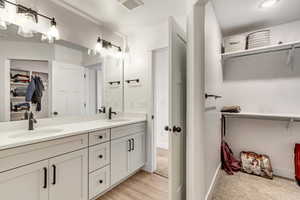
(162, 162)
(142, 186)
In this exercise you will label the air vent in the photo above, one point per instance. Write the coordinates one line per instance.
(131, 4)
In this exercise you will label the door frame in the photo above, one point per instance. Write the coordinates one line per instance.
(152, 135)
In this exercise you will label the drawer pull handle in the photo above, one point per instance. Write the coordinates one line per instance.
(101, 156)
(101, 181)
(101, 137)
(54, 174)
(45, 177)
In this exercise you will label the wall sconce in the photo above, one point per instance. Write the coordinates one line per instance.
(106, 47)
(29, 15)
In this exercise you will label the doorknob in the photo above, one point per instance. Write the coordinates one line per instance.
(167, 128)
(176, 129)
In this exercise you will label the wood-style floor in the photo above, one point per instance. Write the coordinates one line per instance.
(162, 159)
(142, 186)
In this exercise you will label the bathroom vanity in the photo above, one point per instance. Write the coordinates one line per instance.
(77, 161)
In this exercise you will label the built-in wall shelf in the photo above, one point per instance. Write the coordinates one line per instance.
(19, 84)
(278, 117)
(261, 50)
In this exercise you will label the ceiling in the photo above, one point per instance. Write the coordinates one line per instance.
(112, 14)
(236, 16)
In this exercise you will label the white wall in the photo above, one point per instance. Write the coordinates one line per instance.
(213, 80)
(161, 95)
(195, 104)
(68, 55)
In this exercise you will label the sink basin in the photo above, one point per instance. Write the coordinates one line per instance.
(37, 132)
(117, 120)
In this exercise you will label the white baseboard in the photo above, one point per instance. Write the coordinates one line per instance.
(212, 186)
(285, 173)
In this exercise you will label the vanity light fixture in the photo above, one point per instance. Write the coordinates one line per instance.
(30, 14)
(105, 47)
(268, 3)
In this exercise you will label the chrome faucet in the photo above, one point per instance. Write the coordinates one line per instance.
(110, 112)
(31, 121)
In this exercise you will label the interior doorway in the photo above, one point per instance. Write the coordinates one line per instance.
(160, 64)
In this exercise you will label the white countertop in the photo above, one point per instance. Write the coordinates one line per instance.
(16, 138)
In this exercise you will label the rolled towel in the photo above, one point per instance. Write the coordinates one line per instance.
(231, 109)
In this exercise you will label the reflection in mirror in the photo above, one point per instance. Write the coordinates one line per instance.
(52, 80)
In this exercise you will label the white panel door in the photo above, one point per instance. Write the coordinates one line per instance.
(177, 111)
(120, 150)
(137, 153)
(29, 182)
(68, 96)
(69, 176)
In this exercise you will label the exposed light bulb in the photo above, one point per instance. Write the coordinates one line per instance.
(3, 25)
(53, 32)
(98, 46)
(268, 3)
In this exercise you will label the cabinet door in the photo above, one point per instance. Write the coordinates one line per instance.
(69, 176)
(137, 156)
(119, 159)
(29, 182)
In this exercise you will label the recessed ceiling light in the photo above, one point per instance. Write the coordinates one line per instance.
(268, 3)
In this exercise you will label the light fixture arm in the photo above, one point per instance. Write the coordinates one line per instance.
(28, 9)
(106, 44)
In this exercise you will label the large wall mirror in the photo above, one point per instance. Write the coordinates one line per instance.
(55, 80)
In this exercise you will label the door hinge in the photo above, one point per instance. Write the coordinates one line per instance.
(84, 75)
(152, 117)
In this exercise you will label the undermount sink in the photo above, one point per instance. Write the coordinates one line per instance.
(37, 132)
(117, 120)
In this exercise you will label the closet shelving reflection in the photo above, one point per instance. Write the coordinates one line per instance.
(267, 49)
(19, 115)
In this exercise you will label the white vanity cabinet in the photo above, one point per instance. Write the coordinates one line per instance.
(52, 170)
(59, 178)
(68, 176)
(29, 182)
(127, 153)
(79, 167)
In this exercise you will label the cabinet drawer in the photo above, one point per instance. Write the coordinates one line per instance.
(20, 156)
(128, 130)
(99, 181)
(99, 156)
(99, 137)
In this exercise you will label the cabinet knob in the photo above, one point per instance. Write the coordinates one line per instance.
(101, 137)
(101, 181)
(100, 156)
